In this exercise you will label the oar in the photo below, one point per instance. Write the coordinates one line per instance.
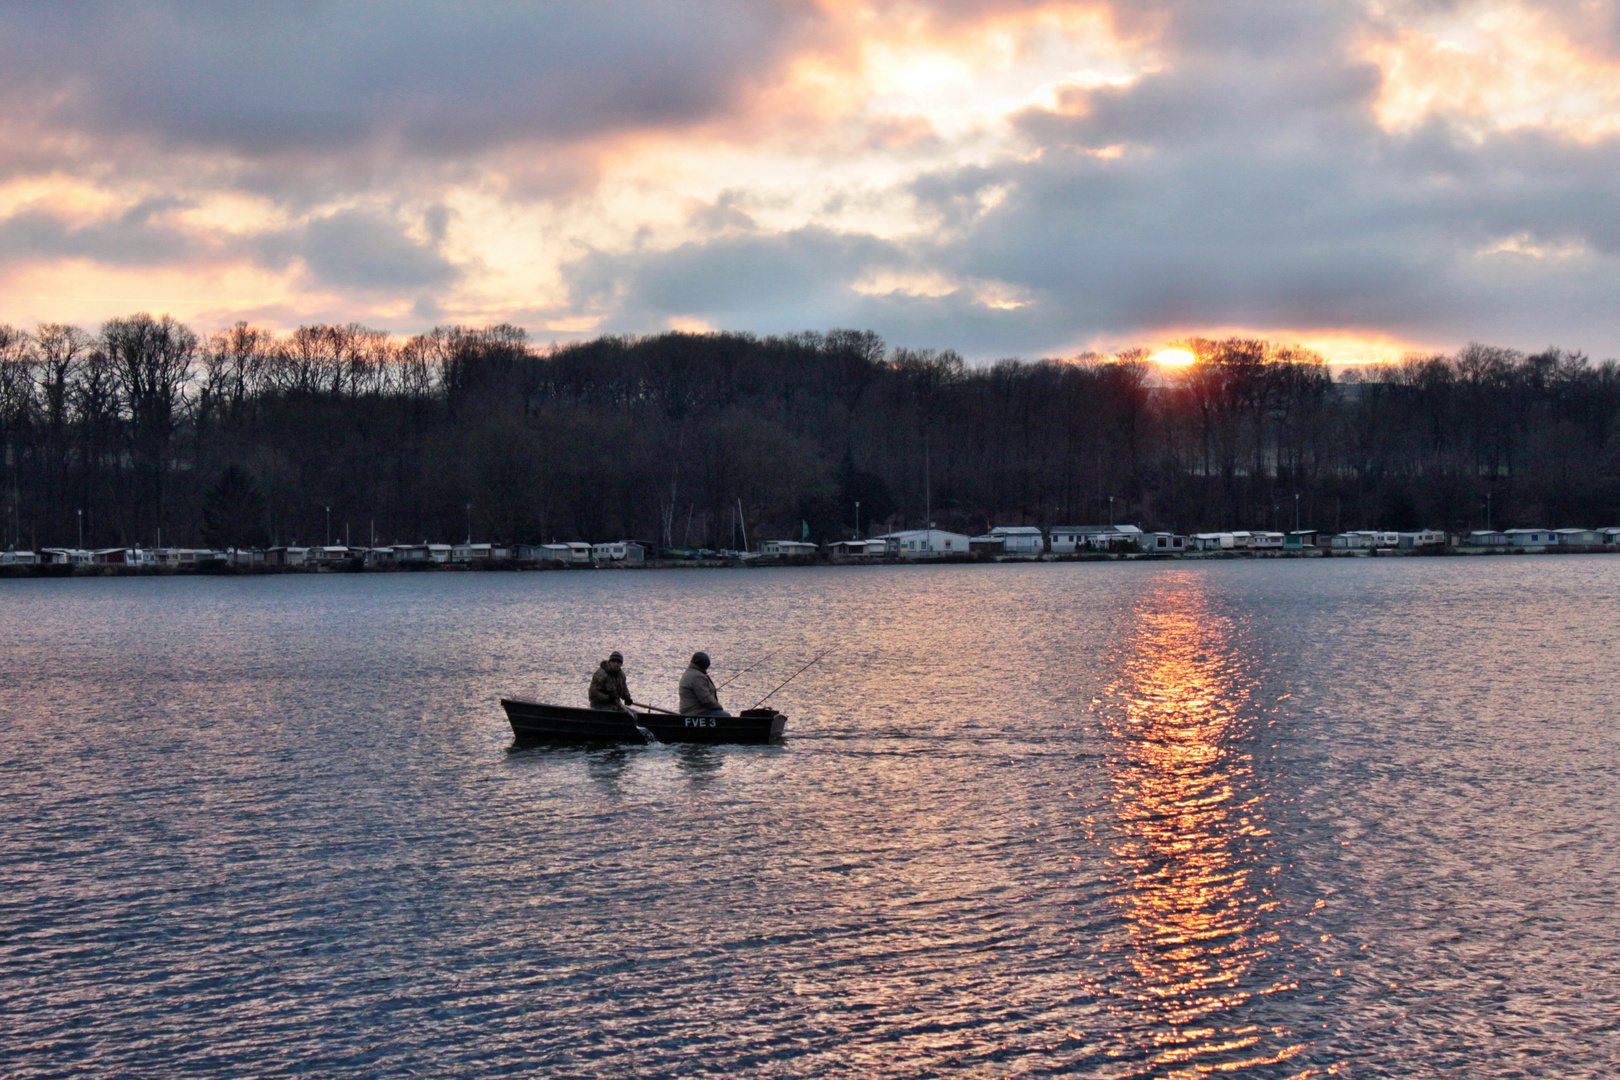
(747, 669)
(655, 708)
(791, 677)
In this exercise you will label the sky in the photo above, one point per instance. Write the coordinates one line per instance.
(1004, 178)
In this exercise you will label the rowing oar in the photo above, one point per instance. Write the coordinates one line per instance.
(654, 708)
(747, 669)
(791, 677)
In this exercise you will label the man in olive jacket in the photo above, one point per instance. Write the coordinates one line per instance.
(608, 685)
(698, 697)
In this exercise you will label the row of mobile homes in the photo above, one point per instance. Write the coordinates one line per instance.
(180, 558)
(19, 558)
(1540, 538)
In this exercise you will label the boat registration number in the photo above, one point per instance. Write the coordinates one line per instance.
(700, 721)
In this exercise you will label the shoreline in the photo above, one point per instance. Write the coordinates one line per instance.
(222, 569)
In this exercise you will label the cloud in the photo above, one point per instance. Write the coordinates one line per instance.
(997, 176)
(138, 236)
(311, 79)
(358, 249)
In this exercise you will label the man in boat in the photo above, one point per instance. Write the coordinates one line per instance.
(698, 696)
(608, 685)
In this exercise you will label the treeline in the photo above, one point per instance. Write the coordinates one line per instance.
(145, 433)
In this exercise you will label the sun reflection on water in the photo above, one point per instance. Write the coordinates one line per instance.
(1189, 840)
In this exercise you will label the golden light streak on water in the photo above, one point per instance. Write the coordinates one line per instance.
(1191, 833)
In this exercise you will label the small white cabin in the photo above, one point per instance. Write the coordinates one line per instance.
(1019, 539)
(787, 547)
(1579, 537)
(1421, 539)
(1163, 542)
(18, 558)
(469, 553)
(1531, 537)
(1068, 539)
(1213, 541)
(422, 553)
(858, 549)
(927, 543)
(1359, 540)
(619, 551)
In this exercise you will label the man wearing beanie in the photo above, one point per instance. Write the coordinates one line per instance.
(608, 685)
(698, 697)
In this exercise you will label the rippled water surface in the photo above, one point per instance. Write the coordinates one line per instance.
(1337, 817)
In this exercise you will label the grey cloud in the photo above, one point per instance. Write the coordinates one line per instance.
(129, 239)
(434, 80)
(723, 214)
(361, 250)
(729, 278)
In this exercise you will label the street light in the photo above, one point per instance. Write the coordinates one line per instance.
(857, 519)
(1296, 511)
(328, 526)
(1110, 510)
(81, 530)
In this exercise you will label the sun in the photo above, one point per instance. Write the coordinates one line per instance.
(1173, 357)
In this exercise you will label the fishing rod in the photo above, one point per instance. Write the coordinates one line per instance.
(747, 669)
(791, 677)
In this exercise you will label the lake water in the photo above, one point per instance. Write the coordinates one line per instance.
(1282, 818)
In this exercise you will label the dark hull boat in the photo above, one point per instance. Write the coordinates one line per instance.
(533, 721)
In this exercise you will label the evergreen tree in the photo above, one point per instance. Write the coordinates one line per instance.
(234, 512)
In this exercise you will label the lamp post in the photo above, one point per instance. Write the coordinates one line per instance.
(857, 519)
(469, 523)
(1296, 511)
(328, 526)
(81, 530)
(1110, 511)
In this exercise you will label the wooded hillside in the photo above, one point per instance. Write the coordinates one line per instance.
(659, 437)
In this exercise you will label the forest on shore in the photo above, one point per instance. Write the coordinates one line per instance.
(145, 433)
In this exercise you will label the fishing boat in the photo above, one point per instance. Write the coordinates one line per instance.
(534, 721)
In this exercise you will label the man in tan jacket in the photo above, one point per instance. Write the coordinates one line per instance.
(698, 697)
(608, 685)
